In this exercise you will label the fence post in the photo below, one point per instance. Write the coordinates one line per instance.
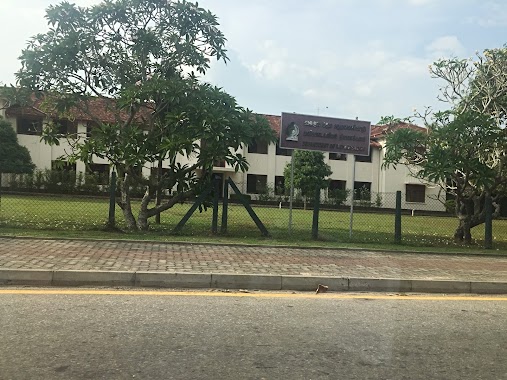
(225, 206)
(111, 222)
(316, 207)
(397, 219)
(192, 209)
(214, 221)
(488, 222)
(158, 195)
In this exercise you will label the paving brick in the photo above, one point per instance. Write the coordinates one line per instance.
(81, 255)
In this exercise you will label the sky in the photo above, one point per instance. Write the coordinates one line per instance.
(336, 58)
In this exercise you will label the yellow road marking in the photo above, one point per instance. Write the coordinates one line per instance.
(343, 296)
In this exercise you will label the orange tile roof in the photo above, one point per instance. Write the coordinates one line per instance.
(381, 130)
(105, 110)
(275, 122)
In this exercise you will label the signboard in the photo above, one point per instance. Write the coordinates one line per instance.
(308, 132)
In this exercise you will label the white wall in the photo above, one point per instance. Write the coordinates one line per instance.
(382, 181)
(393, 180)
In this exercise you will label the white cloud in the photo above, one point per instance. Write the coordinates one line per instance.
(364, 88)
(356, 59)
(445, 46)
(420, 2)
(367, 58)
(411, 66)
(491, 15)
(277, 64)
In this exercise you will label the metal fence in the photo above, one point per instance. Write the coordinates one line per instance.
(372, 220)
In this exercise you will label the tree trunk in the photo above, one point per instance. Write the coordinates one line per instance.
(125, 203)
(463, 233)
(142, 220)
(468, 234)
(459, 234)
(142, 217)
(129, 218)
(158, 200)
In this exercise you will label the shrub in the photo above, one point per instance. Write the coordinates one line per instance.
(363, 197)
(237, 197)
(14, 182)
(38, 181)
(267, 193)
(90, 184)
(338, 197)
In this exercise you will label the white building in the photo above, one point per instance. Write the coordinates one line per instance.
(267, 162)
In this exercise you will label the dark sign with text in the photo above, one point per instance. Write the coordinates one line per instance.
(325, 134)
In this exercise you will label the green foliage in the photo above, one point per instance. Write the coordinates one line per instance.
(468, 148)
(111, 46)
(465, 149)
(310, 172)
(362, 197)
(133, 55)
(464, 152)
(267, 193)
(14, 158)
(58, 182)
(338, 196)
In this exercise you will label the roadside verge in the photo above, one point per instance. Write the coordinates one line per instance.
(37, 277)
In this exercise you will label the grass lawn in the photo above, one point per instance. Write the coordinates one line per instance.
(44, 215)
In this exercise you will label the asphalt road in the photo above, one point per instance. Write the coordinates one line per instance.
(160, 335)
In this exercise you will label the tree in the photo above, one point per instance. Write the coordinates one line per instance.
(310, 172)
(463, 153)
(132, 56)
(464, 150)
(14, 158)
(478, 85)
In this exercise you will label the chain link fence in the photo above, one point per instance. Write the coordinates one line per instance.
(423, 223)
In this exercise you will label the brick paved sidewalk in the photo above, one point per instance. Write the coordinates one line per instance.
(17, 253)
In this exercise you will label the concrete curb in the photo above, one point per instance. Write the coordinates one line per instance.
(242, 281)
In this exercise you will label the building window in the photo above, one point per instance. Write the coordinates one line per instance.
(259, 147)
(256, 183)
(415, 193)
(63, 166)
(336, 184)
(364, 158)
(90, 127)
(338, 156)
(66, 126)
(282, 151)
(28, 126)
(279, 185)
(362, 191)
(219, 163)
(101, 171)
